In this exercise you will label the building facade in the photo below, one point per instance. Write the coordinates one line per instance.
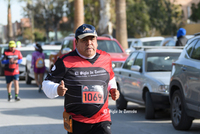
(191, 27)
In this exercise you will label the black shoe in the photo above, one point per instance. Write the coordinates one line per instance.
(17, 98)
(9, 97)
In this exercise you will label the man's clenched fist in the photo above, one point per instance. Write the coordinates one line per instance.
(114, 93)
(61, 89)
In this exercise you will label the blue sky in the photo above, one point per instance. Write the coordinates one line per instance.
(16, 11)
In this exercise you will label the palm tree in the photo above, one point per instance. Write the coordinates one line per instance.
(105, 25)
(78, 13)
(121, 26)
(10, 29)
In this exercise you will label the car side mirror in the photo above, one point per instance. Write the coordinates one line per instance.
(66, 50)
(136, 68)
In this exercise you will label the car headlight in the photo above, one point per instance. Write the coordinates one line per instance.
(163, 88)
(116, 64)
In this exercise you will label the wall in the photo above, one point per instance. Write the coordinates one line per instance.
(192, 28)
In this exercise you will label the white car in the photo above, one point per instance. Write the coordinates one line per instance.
(130, 40)
(144, 42)
(24, 51)
(2, 48)
(47, 50)
(144, 79)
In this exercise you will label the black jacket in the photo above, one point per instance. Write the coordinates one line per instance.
(181, 41)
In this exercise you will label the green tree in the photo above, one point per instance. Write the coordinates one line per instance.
(138, 19)
(173, 19)
(47, 14)
(91, 10)
(145, 17)
(195, 16)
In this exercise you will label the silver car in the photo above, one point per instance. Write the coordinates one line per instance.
(144, 43)
(144, 79)
(185, 86)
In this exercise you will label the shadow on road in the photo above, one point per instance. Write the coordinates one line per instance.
(134, 117)
(34, 129)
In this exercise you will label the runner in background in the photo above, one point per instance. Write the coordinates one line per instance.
(12, 58)
(38, 65)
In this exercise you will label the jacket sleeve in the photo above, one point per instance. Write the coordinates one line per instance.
(4, 60)
(50, 88)
(19, 61)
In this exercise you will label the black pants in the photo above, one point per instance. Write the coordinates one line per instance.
(98, 128)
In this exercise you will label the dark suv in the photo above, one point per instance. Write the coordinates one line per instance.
(185, 86)
(105, 42)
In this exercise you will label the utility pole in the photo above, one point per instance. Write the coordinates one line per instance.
(9, 25)
(78, 13)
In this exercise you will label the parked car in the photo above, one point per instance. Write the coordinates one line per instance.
(144, 42)
(47, 50)
(24, 51)
(169, 41)
(55, 43)
(144, 79)
(184, 90)
(130, 40)
(2, 48)
(106, 43)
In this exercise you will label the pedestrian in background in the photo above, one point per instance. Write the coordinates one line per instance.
(181, 39)
(19, 44)
(38, 65)
(85, 77)
(12, 58)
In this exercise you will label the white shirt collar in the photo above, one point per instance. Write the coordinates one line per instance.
(84, 56)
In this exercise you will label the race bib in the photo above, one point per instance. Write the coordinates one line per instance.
(92, 94)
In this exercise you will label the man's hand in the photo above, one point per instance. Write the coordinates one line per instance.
(61, 89)
(114, 93)
(15, 61)
(11, 60)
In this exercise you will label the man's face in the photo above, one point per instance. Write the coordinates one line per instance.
(87, 46)
(12, 49)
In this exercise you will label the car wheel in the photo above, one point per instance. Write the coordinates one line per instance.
(149, 108)
(180, 120)
(121, 103)
(27, 78)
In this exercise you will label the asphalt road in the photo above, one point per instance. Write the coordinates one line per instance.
(37, 114)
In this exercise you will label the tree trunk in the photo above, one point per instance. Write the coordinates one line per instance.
(105, 26)
(78, 13)
(56, 31)
(47, 29)
(121, 26)
(10, 29)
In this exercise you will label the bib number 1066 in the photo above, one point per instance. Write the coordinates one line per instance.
(92, 97)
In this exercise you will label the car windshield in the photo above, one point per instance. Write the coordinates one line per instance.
(152, 43)
(160, 61)
(25, 53)
(49, 52)
(56, 43)
(109, 46)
